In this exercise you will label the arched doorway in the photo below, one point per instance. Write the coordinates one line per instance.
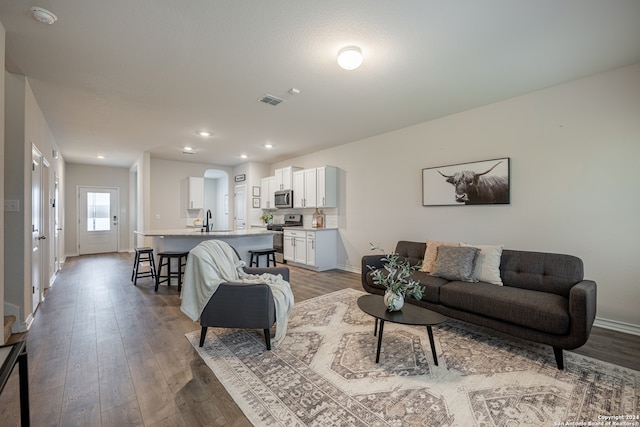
(216, 198)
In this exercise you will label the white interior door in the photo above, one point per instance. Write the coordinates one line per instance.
(240, 207)
(37, 228)
(56, 223)
(97, 220)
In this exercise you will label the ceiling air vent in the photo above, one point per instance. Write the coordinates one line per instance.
(270, 99)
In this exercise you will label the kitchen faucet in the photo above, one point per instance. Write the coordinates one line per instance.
(207, 222)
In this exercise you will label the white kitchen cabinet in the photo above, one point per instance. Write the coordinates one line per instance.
(305, 188)
(312, 249)
(327, 187)
(295, 246)
(284, 178)
(195, 193)
(267, 192)
(298, 189)
(316, 187)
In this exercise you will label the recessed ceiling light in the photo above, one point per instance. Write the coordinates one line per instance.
(350, 57)
(204, 133)
(243, 156)
(100, 156)
(268, 145)
(188, 148)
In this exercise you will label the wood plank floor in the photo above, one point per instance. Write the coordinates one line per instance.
(105, 353)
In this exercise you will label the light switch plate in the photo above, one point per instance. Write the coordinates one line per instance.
(12, 205)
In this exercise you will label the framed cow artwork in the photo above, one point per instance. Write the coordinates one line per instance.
(485, 182)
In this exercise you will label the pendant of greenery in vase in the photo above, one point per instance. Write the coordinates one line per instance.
(396, 278)
(394, 301)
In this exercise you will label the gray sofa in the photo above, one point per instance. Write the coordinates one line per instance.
(544, 298)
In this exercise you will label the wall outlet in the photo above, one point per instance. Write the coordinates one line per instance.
(12, 205)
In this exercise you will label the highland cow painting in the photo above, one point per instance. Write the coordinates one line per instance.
(477, 183)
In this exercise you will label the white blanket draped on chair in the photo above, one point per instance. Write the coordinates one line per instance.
(213, 262)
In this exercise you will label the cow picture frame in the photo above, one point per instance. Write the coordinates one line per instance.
(486, 182)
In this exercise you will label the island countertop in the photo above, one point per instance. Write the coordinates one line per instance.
(185, 239)
(195, 232)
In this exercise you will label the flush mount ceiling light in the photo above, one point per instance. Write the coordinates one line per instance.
(43, 15)
(350, 57)
(204, 133)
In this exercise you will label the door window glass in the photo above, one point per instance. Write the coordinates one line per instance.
(98, 210)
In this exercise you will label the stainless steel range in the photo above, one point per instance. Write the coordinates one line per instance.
(290, 220)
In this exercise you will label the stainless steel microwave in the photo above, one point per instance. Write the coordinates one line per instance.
(284, 199)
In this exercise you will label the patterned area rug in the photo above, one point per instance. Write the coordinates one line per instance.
(324, 374)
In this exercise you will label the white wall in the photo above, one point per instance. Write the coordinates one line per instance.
(574, 150)
(2, 43)
(167, 190)
(95, 176)
(24, 125)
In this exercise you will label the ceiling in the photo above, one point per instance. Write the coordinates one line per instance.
(121, 77)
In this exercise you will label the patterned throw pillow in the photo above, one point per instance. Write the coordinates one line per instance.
(488, 263)
(431, 253)
(456, 263)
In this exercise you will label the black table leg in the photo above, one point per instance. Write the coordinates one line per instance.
(433, 347)
(24, 389)
(375, 328)
(379, 340)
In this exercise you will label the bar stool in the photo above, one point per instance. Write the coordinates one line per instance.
(143, 255)
(164, 259)
(270, 254)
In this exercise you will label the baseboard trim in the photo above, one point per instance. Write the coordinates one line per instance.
(614, 325)
(350, 269)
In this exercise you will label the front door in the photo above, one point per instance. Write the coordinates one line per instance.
(97, 220)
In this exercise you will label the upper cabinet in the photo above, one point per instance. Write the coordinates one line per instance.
(317, 187)
(284, 178)
(268, 189)
(195, 193)
(327, 188)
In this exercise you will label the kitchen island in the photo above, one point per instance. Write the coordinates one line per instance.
(185, 239)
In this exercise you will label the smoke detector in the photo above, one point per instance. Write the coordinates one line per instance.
(43, 15)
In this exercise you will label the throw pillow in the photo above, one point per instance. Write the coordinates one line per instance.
(456, 263)
(488, 263)
(431, 253)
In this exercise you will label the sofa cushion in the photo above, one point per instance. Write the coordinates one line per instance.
(431, 285)
(539, 271)
(487, 264)
(431, 253)
(456, 263)
(532, 309)
(411, 251)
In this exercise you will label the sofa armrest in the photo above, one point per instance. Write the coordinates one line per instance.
(582, 309)
(368, 262)
(373, 261)
(284, 271)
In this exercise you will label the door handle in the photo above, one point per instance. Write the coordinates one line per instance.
(42, 237)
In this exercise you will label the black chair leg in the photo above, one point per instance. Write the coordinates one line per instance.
(267, 338)
(559, 358)
(203, 335)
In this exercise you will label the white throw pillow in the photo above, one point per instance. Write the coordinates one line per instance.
(487, 263)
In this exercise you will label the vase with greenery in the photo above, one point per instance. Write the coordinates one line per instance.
(395, 276)
(266, 217)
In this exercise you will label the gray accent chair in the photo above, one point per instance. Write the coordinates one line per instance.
(242, 306)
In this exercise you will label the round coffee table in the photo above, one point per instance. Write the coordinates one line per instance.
(410, 314)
